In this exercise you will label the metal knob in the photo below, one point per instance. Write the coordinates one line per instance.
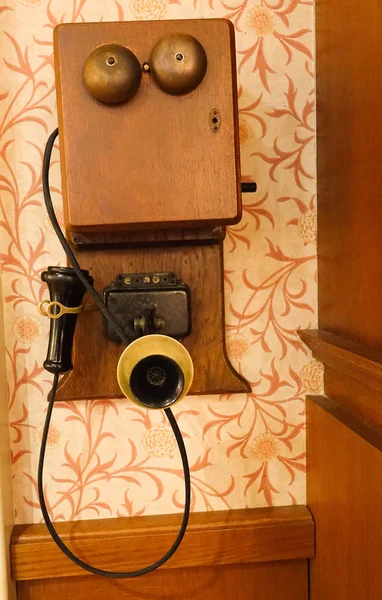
(247, 187)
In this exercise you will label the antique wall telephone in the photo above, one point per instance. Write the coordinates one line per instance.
(150, 170)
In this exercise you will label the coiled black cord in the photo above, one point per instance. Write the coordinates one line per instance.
(178, 436)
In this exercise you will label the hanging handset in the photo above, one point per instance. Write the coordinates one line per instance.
(66, 292)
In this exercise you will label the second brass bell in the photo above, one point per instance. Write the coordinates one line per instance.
(178, 63)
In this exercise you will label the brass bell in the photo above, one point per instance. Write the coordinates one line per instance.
(178, 63)
(155, 371)
(112, 73)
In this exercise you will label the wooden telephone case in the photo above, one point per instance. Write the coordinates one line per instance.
(148, 185)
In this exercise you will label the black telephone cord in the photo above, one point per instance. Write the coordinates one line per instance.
(52, 395)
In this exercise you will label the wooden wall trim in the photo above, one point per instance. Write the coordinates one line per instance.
(349, 358)
(355, 425)
(353, 374)
(213, 538)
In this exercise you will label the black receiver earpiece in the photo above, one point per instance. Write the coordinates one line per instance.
(66, 292)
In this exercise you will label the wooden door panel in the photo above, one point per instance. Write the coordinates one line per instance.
(345, 496)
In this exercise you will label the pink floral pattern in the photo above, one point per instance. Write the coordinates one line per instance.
(108, 458)
(261, 20)
(265, 447)
(307, 227)
(26, 329)
(159, 441)
(148, 9)
(54, 435)
(313, 376)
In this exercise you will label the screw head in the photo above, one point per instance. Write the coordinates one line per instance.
(127, 280)
(156, 279)
(146, 279)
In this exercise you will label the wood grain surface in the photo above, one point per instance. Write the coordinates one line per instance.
(349, 358)
(96, 358)
(229, 554)
(285, 580)
(344, 461)
(142, 238)
(360, 400)
(349, 132)
(153, 161)
(353, 374)
(212, 539)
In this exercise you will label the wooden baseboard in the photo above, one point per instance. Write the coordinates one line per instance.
(212, 539)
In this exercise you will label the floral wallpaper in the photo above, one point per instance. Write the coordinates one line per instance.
(110, 458)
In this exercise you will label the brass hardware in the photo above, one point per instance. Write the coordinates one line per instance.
(146, 67)
(140, 323)
(178, 63)
(146, 279)
(127, 280)
(159, 322)
(112, 73)
(215, 119)
(145, 362)
(156, 279)
(62, 310)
